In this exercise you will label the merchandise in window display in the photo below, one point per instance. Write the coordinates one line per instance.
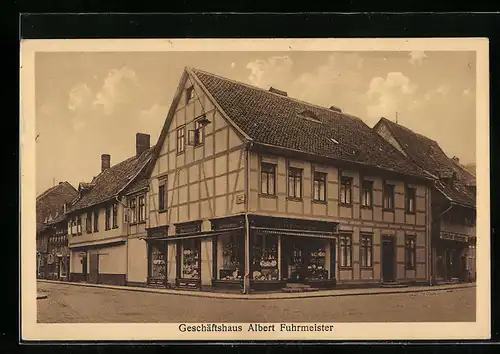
(317, 262)
(158, 264)
(190, 264)
(230, 262)
(267, 261)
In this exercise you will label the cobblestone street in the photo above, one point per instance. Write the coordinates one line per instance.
(80, 304)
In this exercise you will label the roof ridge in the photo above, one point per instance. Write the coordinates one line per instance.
(53, 188)
(195, 70)
(408, 129)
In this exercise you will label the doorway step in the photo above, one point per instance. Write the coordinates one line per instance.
(297, 288)
(393, 284)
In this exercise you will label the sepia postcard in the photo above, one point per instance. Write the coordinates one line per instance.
(255, 189)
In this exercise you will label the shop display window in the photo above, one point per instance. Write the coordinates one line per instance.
(317, 264)
(231, 262)
(158, 268)
(265, 257)
(190, 254)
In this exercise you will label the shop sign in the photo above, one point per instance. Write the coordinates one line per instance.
(230, 223)
(293, 224)
(240, 199)
(188, 228)
(157, 232)
(454, 237)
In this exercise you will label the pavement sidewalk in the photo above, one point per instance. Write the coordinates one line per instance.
(272, 296)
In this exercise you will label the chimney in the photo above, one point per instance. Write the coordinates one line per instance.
(335, 109)
(141, 143)
(105, 162)
(279, 92)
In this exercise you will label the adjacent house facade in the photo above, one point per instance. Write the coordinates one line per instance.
(453, 202)
(250, 189)
(99, 222)
(51, 240)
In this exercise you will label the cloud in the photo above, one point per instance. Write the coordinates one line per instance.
(389, 95)
(119, 88)
(233, 65)
(266, 73)
(416, 57)
(80, 96)
(443, 90)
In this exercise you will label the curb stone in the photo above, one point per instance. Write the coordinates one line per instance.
(273, 296)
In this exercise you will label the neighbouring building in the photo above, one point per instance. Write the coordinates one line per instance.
(51, 241)
(251, 189)
(453, 202)
(100, 223)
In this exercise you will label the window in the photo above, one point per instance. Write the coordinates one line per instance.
(366, 248)
(294, 183)
(157, 261)
(367, 194)
(96, 220)
(142, 208)
(132, 204)
(410, 199)
(389, 197)
(410, 252)
(189, 94)
(115, 215)
(267, 179)
(345, 190)
(162, 194)
(264, 257)
(108, 217)
(198, 134)
(181, 139)
(232, 256)
(319, 186)
(88, 223)
(79, 225)
(190, 259)
(345, 250)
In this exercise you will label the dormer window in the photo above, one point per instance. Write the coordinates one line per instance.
(309, 115)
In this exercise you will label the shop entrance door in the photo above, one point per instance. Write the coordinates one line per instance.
(94, 268)
(84, 267)
(296, 265)
(388, 259)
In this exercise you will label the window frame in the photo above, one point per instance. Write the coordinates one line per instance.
(344, 182)
(96, 220)
(79, 224)
(107, 218)
(88, 222)
(322, 180)
(132, 205)
(410, 252)
(364, 184)
(163, 196)
(114, 217)
(387, 187)
(199, 133)
(345, 248)
(365, 249)
(268, 172)
(297, 175)
(407, 199)
(181, 139)
(190, 94)
(141, 210)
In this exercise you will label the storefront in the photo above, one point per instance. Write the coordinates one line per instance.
(452, 252)
(281, 251)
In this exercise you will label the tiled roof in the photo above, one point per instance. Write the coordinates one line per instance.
(112, 181)
(428, 154)
(140, 184)
(276, 120)
(50, 204)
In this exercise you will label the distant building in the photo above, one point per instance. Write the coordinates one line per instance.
(51, 240)
(453, 203)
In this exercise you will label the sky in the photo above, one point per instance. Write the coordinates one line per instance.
(93, 103)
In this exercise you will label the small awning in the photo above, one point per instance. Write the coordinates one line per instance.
(194, 235)
(299, 233)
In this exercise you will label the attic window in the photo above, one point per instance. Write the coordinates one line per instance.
(309, 115)
(335, 141)
(189, 94)
(279, 92)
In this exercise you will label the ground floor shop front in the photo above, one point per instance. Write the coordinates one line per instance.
(455, 257)
(280, 253)
(99, 264)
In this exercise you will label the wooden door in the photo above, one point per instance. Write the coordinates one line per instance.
(388, 259)
(94, 268)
